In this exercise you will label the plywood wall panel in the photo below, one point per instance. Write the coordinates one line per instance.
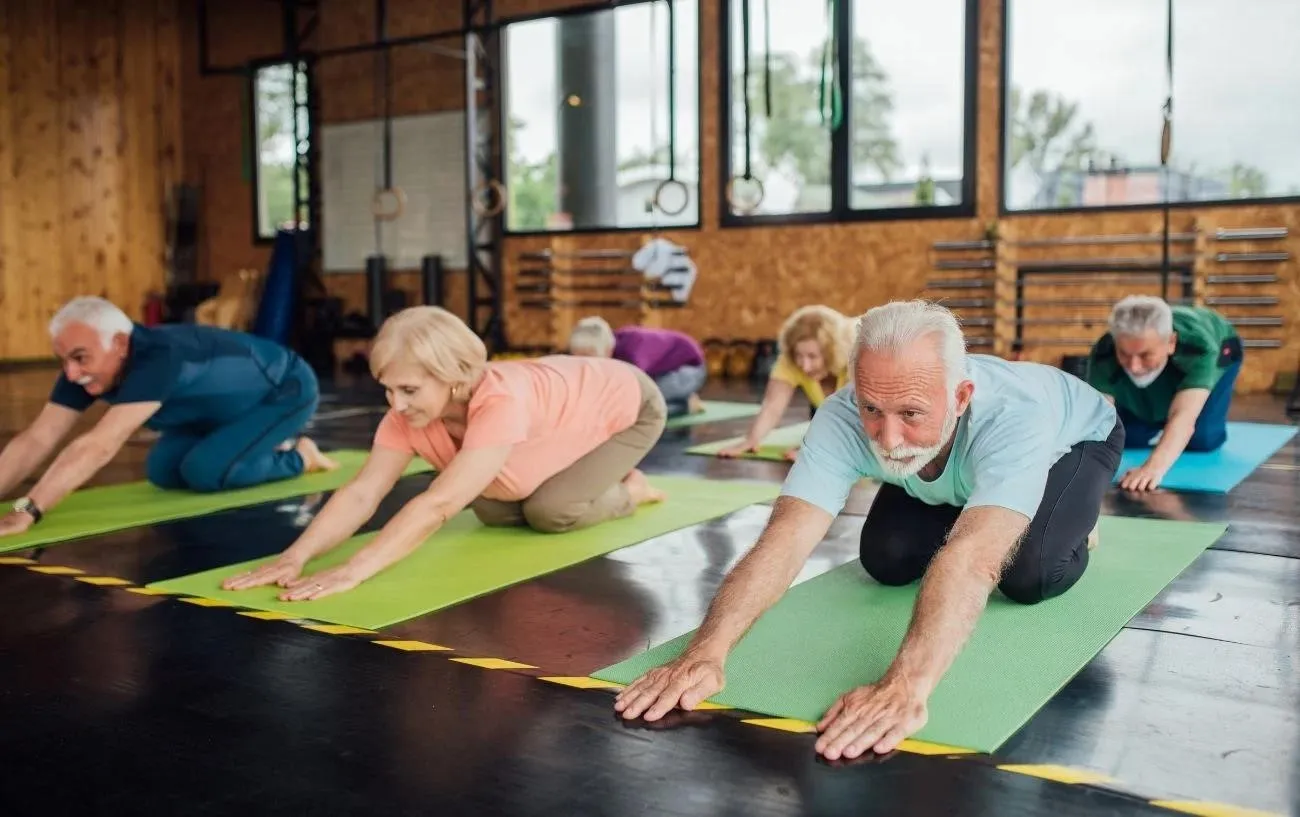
(80, 179)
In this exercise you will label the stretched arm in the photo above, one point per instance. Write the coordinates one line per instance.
(31, 447)
(90, 452)
(756, 583)
(1180, 426)
(347, 510)
(464, 479)
(776, 399)
(953, 594)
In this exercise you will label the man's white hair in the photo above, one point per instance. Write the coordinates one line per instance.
(1137, 314)
(99, 314)
(592, 335)
(892, 327)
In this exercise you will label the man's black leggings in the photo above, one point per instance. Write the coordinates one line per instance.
(902, 534)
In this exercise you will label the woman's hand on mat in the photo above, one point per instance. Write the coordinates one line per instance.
(874, 717)
(685, 682)
(1145, 477)
(738, 450)
(282, 571)
(325, 583)
(14, 522)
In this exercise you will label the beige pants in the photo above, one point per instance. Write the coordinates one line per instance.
(591, 490)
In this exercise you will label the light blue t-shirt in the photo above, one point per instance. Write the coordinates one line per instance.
(1022, 418)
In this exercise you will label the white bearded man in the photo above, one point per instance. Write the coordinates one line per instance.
(992, 477)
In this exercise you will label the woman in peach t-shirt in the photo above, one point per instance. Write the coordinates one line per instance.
(551, 443)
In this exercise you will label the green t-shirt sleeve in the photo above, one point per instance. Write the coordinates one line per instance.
(1200, 371)
(1101, 365)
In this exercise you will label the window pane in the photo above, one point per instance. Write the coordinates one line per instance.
(790, 152)
(909, 95)
(1083, 103)
(587, 139)
(273, 89)
(1236, 100)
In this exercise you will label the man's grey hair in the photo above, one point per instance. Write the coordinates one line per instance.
(99, 314)
(897, 324)
(1135, 315)
(592, 334)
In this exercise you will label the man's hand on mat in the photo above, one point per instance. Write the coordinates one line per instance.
(685, 682)
(1145, 477)
(14, 523)
(737, 450)
(875, 717)
(325, 583)
(282, 571)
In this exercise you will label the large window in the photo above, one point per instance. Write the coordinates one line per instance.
(274, 89)
(1085, 101)
(590, 137)
(855, 109)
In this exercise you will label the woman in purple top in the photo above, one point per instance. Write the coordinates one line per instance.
(672, 359)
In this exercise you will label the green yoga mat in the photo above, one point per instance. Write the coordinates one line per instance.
(778, 441)
(110, 508)
(466, 559)
(841, 630)
(715, 411)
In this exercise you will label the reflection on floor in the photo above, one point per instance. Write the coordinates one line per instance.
(120, 699)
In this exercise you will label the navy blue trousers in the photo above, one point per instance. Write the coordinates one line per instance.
(242, 453)
(1211, 426)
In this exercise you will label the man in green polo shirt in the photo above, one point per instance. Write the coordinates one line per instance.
(1169, 371)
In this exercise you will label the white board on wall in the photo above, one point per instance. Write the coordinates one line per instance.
(428, 165)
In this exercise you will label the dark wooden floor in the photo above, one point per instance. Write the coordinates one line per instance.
(113, 703)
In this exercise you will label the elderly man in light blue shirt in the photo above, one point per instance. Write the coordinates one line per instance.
(993, 474)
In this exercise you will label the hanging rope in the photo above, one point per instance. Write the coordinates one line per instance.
(1166, 142)
(748, 172)
(671, 181)
(829, 99)
(388, 201)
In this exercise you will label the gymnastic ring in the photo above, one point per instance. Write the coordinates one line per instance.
(476, 200)
(399, 204)
(657, 201)
(731, 198)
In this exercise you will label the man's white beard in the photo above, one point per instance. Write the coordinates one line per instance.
(906, 460)
(1146, 379)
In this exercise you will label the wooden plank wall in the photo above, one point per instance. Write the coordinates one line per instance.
(750, 278)
(89, 143)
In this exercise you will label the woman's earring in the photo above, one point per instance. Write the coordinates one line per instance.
(458, 392)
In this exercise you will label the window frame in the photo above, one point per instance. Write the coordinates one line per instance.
(503, 115)
(254, 69)
(1004, 133)
(841, 211)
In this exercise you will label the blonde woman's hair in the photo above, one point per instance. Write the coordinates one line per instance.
(832, 331)
(592, 334)
(432, 338)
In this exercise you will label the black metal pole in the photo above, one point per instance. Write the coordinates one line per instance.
(431, 279)
(376, 286)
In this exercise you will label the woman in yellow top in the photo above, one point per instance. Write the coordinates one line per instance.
(813, 356)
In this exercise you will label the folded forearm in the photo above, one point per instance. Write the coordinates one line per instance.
(953, 594)
(416, 522)
(80, 461)
(347, 511)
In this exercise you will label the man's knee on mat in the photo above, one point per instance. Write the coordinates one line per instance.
(887, 562)
(1207, 438)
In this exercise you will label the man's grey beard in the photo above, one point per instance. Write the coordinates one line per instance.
(906, 460)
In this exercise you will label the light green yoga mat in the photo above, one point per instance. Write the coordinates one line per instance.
(466, 559)
(715, 411)
(110, 508)
(778, 441)
(841, 630)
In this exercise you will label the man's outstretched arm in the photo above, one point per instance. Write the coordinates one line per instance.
(757, 582)
(90, 452)
(32, 446)
(953, 595)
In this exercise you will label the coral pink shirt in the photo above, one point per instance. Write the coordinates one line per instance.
(553, 410)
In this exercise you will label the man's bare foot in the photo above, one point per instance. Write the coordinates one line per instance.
(640, 489)
(312, 458)
(694, 405)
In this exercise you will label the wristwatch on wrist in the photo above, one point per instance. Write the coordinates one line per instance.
(25, 505)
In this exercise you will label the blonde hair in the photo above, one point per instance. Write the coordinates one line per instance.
(432, 338)
(832, 331)
(592, 334)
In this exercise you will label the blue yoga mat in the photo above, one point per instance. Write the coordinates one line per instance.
(1217, 472)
